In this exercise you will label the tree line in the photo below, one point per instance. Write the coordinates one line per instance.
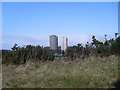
(20, 55)
(95, 48)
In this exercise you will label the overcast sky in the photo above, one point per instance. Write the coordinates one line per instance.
(32, 23)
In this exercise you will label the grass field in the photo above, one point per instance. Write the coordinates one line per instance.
(88, 73)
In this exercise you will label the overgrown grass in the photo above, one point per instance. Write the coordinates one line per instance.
(91, 73)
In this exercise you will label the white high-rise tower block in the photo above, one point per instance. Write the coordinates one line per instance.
(64, 43)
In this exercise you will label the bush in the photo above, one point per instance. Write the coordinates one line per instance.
(19, 55)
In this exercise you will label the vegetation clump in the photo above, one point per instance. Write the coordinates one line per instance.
(96, 48)
(20, 55)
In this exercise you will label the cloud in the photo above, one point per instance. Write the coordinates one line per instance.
(73, 39)
(84, 38)
(28, 38)
(24, 40)
(10, 40)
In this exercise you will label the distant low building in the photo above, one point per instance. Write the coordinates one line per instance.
(47, 47)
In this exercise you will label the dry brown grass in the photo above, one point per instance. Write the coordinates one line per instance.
(91, 72)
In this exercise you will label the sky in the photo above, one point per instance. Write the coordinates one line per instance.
(32, 23)
(60, 0)
(0, 25)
